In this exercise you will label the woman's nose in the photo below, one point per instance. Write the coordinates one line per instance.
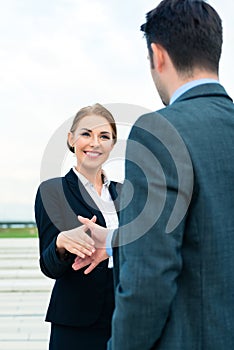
(94, 142)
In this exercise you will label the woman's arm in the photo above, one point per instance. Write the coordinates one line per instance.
(58, 249)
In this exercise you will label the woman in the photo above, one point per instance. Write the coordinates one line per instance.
(81, 306)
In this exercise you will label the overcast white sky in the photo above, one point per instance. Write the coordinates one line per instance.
(60, 55)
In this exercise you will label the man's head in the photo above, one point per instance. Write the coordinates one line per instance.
(190, 31)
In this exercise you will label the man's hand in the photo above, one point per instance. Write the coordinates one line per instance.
(98, 233)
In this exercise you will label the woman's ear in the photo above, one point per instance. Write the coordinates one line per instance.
(70, 139)
(70, 142)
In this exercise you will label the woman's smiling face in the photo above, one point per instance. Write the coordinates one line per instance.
(93, 142)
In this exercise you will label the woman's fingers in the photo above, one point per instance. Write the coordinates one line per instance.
(78, 243)
(81, 251)
(78, 235)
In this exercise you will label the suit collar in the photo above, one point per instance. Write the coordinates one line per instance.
(189, 85)
(82, 195)
(72, 179)
(204, 90)
(79, 191)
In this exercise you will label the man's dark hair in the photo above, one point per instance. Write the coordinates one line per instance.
(189, 30)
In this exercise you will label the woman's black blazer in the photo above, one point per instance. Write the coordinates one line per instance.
(77, 299)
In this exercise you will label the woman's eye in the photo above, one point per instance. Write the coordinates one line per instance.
(85, 134)
(105, 137)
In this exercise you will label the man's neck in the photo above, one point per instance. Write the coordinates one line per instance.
(196, 75)
(197, 78)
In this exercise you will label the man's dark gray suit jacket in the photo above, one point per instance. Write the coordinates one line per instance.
(174, 268)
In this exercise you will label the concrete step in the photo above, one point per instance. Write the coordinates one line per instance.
(19, 242)
(18, 264)
(21, 274)
(23, 303)
(24, 296)
(25, 286)
(23, 345)
(9, 255)
(22, 324)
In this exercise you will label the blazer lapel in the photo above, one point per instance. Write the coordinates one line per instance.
(81, 195)
(114, 189)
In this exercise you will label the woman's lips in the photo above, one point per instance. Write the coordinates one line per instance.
(91, 154)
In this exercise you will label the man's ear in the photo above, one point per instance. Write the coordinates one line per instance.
(158, 56)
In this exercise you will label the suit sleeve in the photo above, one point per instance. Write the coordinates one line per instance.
(48, 214)
(149, 257)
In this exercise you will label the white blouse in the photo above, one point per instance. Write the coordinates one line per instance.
(104, 202)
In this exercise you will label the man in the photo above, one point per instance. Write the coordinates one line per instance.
(175, 261)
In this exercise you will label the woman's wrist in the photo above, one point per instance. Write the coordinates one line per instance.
(59, 242)
(62, 253)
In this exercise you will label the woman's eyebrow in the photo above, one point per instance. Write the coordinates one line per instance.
(86, 129)
(105, 132)
(102, 132)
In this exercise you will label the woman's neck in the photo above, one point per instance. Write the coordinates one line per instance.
(94, 177)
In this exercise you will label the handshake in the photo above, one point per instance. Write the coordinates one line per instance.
(90, 249)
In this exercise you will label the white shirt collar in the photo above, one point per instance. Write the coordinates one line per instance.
(184, 88)
(86, 182)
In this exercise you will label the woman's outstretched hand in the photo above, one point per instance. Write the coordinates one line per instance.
(76, 241)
